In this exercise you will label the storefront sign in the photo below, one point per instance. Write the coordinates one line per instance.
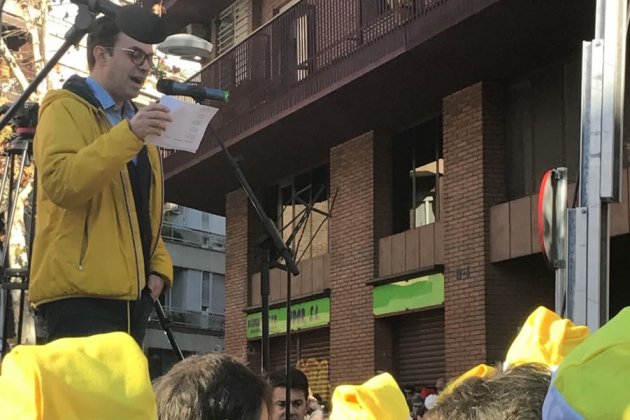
(315, 313)
(406, 295)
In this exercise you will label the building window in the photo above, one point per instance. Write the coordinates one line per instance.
(196, 291)
(205, 291)
(213, 293)
(307, 231)
(542, 125)
(417, 169)
(176, 295)
(234, 25)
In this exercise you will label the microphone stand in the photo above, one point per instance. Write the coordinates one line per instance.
(280, 248)
(165, 323)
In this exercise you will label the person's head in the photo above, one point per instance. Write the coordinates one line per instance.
(299, 394)
(516, 393)
(417, 406)
(439, 384)
(210, 387)
(116, 61)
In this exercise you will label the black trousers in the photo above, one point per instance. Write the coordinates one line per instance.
(80, 317)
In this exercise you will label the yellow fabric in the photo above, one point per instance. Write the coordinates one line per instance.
(545, 338)
(479, 371)
(87, 241)
(105, 376)
(380, 398)
(594, 379)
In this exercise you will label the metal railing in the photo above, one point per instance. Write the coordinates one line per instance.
(312, 48)
(193, 319)
(192, 237)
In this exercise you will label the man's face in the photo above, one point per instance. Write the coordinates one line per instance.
(123, 78)
(264, 415)
(298, 404)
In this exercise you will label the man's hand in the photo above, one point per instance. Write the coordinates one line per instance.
(151, 119)
(156, 285)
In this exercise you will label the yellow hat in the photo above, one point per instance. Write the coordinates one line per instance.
(545, 338)
(479, 371)
(593, 381)
(104, 376)
(380, 398)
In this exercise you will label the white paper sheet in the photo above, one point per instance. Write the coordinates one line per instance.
(188, 127)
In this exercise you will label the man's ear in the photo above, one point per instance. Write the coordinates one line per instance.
(100, 54)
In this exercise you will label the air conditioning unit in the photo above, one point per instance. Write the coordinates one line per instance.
(196, 29)
(172, 208)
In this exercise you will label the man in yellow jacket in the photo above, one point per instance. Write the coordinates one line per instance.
(98, 261)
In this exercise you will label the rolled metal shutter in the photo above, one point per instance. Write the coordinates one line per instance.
(314, 360)
(277, 352)
(419, 347)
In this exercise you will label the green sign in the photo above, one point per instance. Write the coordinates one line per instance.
(315, 313)
(406, 295)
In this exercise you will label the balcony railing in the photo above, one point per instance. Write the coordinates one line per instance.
(192, 319)
(192, 237)
(314, 48)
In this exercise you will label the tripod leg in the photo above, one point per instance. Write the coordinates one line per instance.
(15, 245)
(4, 307)
(20, 317)
(4, 293)
(25, 325)
(5, 175)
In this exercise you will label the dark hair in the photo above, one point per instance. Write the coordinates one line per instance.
(104, 33)
(298, 380)
(210, 387)
(515, 393)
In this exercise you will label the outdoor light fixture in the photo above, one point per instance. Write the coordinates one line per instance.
(186, 46)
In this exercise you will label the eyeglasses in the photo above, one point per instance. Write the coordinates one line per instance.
(138, 57)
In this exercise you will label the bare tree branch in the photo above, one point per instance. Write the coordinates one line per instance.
(14, 67)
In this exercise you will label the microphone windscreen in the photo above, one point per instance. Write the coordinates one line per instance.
(164, 86)
(141, 25)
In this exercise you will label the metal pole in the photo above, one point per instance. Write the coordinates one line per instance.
(603, 72)
(287, 400)
(264, 295)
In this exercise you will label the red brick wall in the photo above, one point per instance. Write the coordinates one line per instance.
(236, 271)
(354, 166)
(484, 303)
(466, 237)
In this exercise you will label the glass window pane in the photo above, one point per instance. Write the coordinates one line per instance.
(205, 291)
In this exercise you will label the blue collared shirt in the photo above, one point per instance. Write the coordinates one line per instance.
(114, 116)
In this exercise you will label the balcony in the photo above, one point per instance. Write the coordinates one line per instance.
(514, 224)
(326, 71)
(192, 320)
(411, 251)
(314, 278)
(192, 237)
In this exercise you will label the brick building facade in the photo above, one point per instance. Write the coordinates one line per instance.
(428, 140)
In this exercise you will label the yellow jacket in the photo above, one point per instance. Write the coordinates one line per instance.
(87, 241)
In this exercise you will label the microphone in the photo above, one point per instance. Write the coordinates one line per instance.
(199, 93)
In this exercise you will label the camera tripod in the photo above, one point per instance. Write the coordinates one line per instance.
(14, 280)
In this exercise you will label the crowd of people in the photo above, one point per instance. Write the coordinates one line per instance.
(549, 369)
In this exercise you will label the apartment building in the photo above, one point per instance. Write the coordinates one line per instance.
(418, 131)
